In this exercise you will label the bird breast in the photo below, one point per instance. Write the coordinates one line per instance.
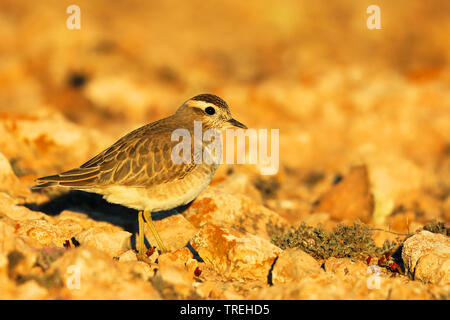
(164, 196)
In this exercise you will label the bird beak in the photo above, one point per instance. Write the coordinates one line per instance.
(236, 123)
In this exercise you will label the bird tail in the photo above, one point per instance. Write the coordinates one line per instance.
(79, 178)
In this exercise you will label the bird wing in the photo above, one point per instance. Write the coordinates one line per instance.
(137, 159)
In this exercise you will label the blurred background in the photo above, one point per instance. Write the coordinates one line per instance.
(342, 95)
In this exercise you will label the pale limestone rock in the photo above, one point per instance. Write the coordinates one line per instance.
(9, 183)
(8, 286)
(350, 199)
(316, 287)
(88, 273)
(426, 257)
(79, 219)
(129, 255)
(331, 287)
(45, 138)
(69, 227)
(118, 93)
(178, 257)
(31, 290)
(235, 211)
(239, 183)
(179, 277)
(9, 207)
(109, 239)
(9, 242)
(42, 231)
(17, 261)
(183, 256)
(226, 290)
(174, 230)
(174, 269)
(139, 269)
(294, 264)
(391, 176)
(205, 288)
(345, 267)
(45, 230)
(235, 254)
(73, 223)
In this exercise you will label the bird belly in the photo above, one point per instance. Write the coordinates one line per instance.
(159, 197)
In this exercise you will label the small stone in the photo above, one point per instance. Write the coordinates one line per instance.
(128, 255)
(76, 221)
(345, 267)
(332, 287)
(45, 139)
(173, 270)
(9, 182)
(314, 287)
(426, 257)
(174, 230)
(108, 239)
(239, 183)
(178, 257)
(180, 279)
(349, 199)
(42, 231)
(10, 242)
(132, 96)
(391, 177)
(235, 254)
(294, 264)
(231, 210)
(139, 269)
(9, 207)
(88, 273)
(31, 290)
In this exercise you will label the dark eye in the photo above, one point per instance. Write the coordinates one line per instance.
(210, 110)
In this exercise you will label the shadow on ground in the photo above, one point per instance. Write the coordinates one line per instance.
(97, 208)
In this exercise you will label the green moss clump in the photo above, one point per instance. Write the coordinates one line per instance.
(353, 242)
(438, 227)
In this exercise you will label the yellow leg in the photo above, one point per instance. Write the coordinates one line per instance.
(148, 219)
(140, 241)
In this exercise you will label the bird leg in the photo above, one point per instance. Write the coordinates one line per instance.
(148, 219)
(140, 240)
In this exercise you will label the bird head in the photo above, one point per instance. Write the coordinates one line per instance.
(211, 110)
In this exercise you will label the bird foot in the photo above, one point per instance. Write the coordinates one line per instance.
(143, 257)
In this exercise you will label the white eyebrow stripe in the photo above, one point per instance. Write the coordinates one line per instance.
(200, 104)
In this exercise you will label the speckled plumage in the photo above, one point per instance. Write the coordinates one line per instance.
(137, 171)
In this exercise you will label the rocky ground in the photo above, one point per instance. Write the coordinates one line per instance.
(360, 206)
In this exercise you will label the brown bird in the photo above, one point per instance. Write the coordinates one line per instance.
(139, 170)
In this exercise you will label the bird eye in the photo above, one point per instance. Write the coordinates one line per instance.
(210, 110)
